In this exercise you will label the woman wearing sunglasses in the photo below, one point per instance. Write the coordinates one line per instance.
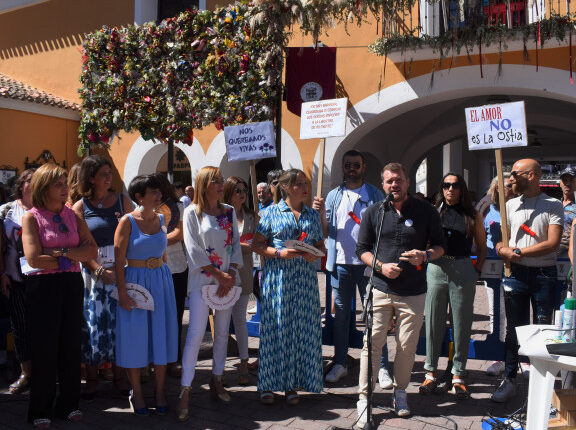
(55, 240)
(452, 281)
(235, 194)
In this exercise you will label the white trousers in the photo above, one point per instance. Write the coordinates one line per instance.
(240, 327)
(196, 328)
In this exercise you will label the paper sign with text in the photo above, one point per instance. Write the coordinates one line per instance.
(324, 118)
(496, 126)
(250, 141)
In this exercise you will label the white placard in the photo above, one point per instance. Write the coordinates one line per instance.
(250, 141)
(323, 118)
(496, 126)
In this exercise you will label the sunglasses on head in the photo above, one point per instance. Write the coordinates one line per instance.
(241, 191)
(350, 165)
(448, 185)
(61, 226)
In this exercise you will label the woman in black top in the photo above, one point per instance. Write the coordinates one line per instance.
(452, 280)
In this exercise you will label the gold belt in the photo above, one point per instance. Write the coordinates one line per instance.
(151, 263)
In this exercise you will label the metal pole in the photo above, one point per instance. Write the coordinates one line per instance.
(171, 161)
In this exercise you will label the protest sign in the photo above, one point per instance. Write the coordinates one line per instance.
(250, 141)
(496, 126)
(323, 118)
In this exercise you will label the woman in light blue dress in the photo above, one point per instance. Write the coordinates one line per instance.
(143, 336)
(290, 329)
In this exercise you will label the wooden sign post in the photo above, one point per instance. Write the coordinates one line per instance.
(254, 183)
(496, 127)
(322, 119)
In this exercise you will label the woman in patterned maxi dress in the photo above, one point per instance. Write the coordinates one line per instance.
(290, 330)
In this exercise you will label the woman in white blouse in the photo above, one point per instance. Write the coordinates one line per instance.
(214, 255)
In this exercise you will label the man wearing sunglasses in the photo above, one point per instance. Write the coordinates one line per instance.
(535, 222)
(341, 216)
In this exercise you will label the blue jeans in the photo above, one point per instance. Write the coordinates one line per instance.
(526, 285)
(348, 277)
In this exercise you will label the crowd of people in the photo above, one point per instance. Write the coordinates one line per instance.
(98, 280)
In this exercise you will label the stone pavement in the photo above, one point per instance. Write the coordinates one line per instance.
(334, 408)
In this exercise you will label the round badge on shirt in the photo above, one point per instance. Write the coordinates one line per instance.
(408, 223)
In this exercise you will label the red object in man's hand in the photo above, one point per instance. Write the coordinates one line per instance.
(303, 236)
(527, 230)
(352, 215)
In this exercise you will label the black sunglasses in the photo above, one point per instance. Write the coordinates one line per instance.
(349, 165)
(508, 185)
(61, 227)
(447, 185)
(275, 182)
(516, 173)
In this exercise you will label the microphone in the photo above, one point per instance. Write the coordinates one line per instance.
(386, 202)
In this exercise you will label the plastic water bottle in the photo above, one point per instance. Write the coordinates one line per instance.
(568, 320)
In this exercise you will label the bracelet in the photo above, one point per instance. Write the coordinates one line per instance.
(98, 272)
(428, 256)
(277, 253)
(498, 248)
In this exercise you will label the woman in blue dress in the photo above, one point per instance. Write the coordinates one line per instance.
(290, 329)
(143, 336)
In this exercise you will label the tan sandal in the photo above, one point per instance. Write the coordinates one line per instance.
(429, 385)
(20, 385)
(459, 389)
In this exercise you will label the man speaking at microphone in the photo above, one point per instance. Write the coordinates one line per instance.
(411, 236)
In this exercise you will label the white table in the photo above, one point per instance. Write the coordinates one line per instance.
(543, 371)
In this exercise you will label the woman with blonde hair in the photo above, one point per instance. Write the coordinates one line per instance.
(235, 194)
(55, 241)
(214, 256)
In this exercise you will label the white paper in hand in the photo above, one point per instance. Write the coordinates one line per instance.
(303, 246)
(220, 303)
(139, 294)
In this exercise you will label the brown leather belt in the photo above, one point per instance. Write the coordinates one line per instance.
(151, 263)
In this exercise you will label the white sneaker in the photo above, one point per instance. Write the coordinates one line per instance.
(525, 370)
(505, 391)
(338, 371)
(400, 403)
(253, 309)
(384, 379)
(496, 368)
(362, 409)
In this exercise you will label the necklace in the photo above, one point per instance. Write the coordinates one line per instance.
(99, 204)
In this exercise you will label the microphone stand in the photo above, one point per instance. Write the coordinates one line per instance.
(368, 313)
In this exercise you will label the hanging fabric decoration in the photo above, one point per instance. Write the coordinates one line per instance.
(480, 56)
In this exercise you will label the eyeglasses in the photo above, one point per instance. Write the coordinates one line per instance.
(241, 191)
(448, 185)
(218, 181)
(516, 173)
(61, 227)
(350, 165)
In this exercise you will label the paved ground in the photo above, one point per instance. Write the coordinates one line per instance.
(334, 408)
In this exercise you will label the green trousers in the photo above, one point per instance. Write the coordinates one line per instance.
(449, 282)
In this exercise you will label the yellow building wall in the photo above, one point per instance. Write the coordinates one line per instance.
(27, 135)
(40, 45)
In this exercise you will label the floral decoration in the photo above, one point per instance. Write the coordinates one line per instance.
(165, 80)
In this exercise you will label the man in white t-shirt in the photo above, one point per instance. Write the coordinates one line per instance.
(535, 222)
(341, 216)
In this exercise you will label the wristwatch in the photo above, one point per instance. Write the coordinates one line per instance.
(378, 267)
(64, 252)
(518, 251)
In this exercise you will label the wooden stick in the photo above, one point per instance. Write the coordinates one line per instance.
(321, 168)
(502, 202)
(254, 182)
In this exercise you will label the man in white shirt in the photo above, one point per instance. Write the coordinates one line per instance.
(341, 216)
(535, 222)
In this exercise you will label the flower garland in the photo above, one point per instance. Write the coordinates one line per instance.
(556, 27)
(167, 79)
